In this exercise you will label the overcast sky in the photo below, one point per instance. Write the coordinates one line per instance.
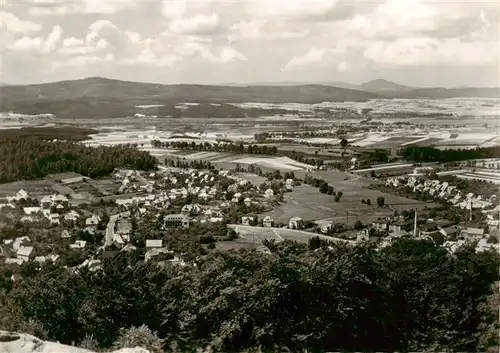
(412, 42)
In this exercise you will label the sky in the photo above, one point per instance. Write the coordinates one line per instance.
(441, 43)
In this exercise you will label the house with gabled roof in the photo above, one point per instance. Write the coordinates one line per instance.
(269, 194)
(78, 244)
(93, 220)
(295, 223)
(20, 241)
(268, 222)
(25, 253)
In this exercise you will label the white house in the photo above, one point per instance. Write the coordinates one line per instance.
(453, 246)
(79, 244)
(269, 194)
(295, 223)
(236, 197)
(25, 253)
(325, 227)
(267, 222)
(245, 220)
(18, 242)
(92, 221)
(31, 210)
(71, 216)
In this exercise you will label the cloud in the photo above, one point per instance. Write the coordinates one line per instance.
(290, 9)
(26, 44)
(52, 40)
(313, 56)
(47, 46)
(194, 39)
(84, 7)
(174, 9)
(403, 18)
(342, 66)
(11, 23)
(425, 51)
(80, 61)
(254, 30)
(199, 24)
(149, 58)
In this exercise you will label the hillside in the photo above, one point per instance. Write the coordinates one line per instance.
(383, 85)
(439, 92)
(100, 98)
(106, 89)
(104, 98)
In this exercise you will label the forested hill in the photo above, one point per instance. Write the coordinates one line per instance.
(99, 98)
(34, 153)
(111, 90)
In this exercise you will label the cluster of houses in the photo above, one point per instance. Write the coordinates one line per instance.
(455, 235)
(151, 193)
(445, 191)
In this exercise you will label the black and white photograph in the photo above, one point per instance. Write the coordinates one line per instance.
(249, 176)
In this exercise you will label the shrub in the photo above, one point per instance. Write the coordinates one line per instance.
(492, 240)
(368, 202)
(89, 342)
(141, 336)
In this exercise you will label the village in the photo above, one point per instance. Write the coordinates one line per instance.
(84, 216)
(80, 221)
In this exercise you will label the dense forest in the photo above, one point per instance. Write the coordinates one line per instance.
(34, 156)
(410, 296)
(63, 133)
(430, 154)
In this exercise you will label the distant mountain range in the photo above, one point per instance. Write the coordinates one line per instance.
(102, 97)
(389, 89)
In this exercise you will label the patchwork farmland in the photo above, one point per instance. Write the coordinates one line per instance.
(226, 160)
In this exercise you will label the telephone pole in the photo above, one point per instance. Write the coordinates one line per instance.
(415, 225)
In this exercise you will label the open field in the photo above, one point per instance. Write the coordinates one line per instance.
(231, 160)
(254, 179)
(308, 203)
(33, 187)
(251, 237)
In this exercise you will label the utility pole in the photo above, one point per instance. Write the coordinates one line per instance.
(470, 211)
(415, 225)
(347, 217)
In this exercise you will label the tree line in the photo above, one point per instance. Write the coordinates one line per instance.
(64, 133)
(410, 296)
(225, 146)
(430, 154)
(25, 158)
(323, 187)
